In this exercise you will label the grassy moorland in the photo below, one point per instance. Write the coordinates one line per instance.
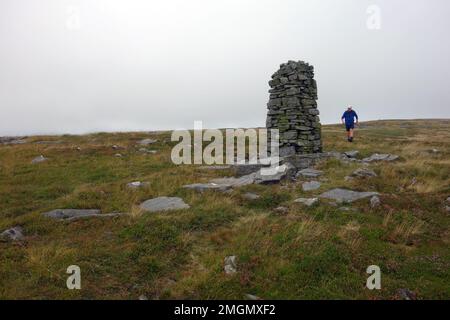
(320, 252)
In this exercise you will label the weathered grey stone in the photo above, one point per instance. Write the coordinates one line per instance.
(74, 214)
(230, 265)
(380, 157)
(201, 187)
(351, 154)
(292, 109)
(364, 173)
(275, 175)
(12, 140)
(146, 142)
(281, 210)
(251, 196)
(39, 159)
(118, 155)
(307, 201)
(309, 173)
(13, 234)
(236, 182)
(344, 195)
(407, 294)
(310, 185)
(375, 202)
(137, 184)
(144, 150)
(164, 204)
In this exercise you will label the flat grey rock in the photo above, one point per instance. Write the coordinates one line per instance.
(137, 184)
(39, 159)
(164, 204)
(309, 173)
(230, 265)
(275, 175)
(352, 154)
(201, 187)
(236, 182)
(380, 157)
(364, 173)
(310, 185)
(14, 234)
(75, 214)
(344, 195)
(307, 201)
(146, 142)
(251, 196)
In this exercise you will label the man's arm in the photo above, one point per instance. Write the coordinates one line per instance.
(356, 116)
(343, 117)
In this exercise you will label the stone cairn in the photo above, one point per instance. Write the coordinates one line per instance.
(293, 109)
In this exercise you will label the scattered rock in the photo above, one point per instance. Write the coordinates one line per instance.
(236, 182)
(380, 157)
(348, 178)
(115, 147)
(164, 204)
(39, 159)
(230, 266)
(146, 142)
(201, 187)
(78, 148)
(406, 294)
(307, 201)
(118, 155)
(311, 185)
(14, 234)
(309, 173)
(144, 150)
(12, 140)
(375, 202)
(137, 184)
(281, 210)
(275, 175)
(364, 173)
(251, 196)
(143, 297)
(344, 195)
(352, 154)
(75, 214)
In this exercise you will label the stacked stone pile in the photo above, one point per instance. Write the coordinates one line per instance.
(293, 109)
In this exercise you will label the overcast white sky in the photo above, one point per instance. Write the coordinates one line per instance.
(120, 65)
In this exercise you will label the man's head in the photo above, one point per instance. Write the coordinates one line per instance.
(349, 108)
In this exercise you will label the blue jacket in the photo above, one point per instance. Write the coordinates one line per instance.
(349, 117)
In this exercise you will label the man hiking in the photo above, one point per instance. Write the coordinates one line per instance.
(348, 118)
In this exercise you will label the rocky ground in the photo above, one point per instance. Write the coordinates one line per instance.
(141, 227)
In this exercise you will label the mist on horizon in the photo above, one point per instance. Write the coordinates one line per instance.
(111, 65)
